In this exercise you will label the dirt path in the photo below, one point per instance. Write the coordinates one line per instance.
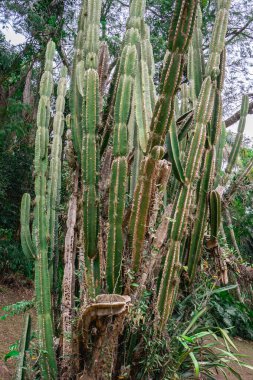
(244, 348)
(10, 328)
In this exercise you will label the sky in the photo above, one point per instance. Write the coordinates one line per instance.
(16, 39)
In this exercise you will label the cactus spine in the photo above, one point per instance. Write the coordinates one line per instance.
(160, 123)
(40, 233)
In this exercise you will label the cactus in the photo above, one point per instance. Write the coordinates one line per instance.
(23, 347)
(75, 96)
(174, 153)
(208, 104)
(215, 213)
(119, 167)
(137, 118)
(160, 123)
(195, 67)
(122, 215)
(184, 99)
(88, 85)
(26, 241)
(215, 68)
(40, 231)
(236, 146)
(219, 156)
(54, 181)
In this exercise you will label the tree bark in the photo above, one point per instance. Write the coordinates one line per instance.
(69, 283)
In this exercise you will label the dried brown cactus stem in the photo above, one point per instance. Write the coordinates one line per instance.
(103, 320)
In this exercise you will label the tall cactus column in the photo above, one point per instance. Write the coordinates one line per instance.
(132, 116)
(38, 246)
(75, 96)
(215, 68)
(179, 38)
(88, 79)
(202, 116)
(118, 183)
(54, 181)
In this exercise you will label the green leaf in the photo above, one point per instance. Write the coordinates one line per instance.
(11, 354)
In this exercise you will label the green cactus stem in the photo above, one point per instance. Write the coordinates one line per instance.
(119, 168)
(90, 123)
(219, 157)
(26, 240)
(237, 144)
(54, 181)
(40, 227)
(181, 207)
(75, 96)
(215, 68)
(23, 347)
(40, 224)
(215, 213)
(174, 153)
(38, 247)
(161, 122)
(195, 67)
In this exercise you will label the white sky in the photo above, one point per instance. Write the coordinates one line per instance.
(16, 39)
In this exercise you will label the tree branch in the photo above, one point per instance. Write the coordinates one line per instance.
(236, 116)
(63, 56)
(239, 31)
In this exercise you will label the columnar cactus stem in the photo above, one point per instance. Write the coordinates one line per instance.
(179, 38)
(75, 96)
(215, 68)
(23, 347)
(119, 167)
(38, 247)
(231, 231)
(238, 181)
(215, 214)
(90, 123)
(219, 156)
(182, 203)
(184, 99)
(195, 67)
(40, 226)
(26, 240)
(54, 181)
(141, 108)
(236, 146)
(202, 116)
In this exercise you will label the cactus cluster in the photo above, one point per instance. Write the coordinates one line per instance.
(127, 217)
(206, 120)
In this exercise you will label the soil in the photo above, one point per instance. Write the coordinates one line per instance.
(244, 348)
(10, 331)
(12, 291)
